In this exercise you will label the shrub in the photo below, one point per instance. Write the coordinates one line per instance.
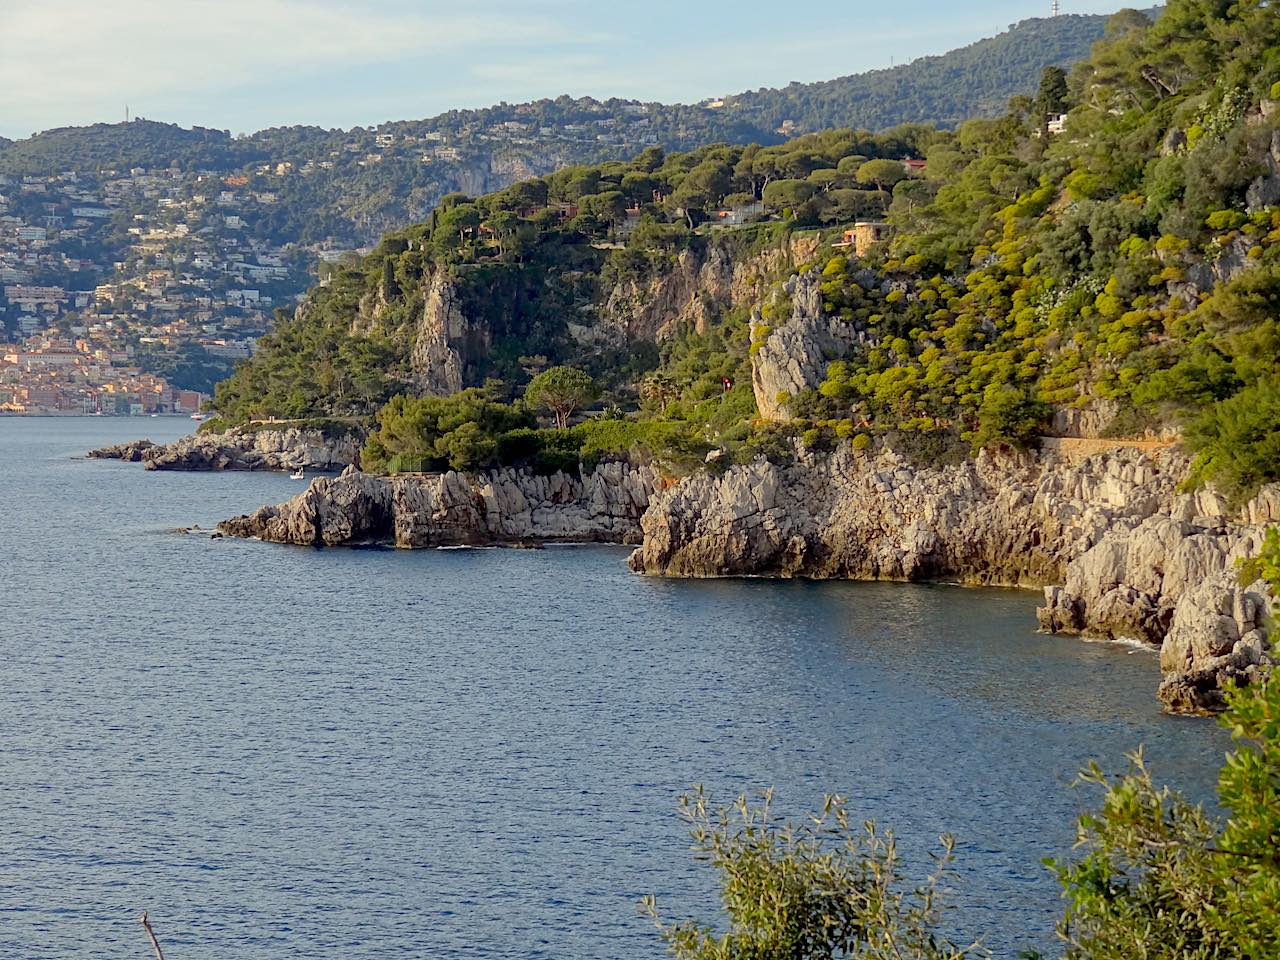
(1237, 441)
(819, 889)
(1159, 878)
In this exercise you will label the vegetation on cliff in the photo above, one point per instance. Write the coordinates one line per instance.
(533, 262)
(1128, 263)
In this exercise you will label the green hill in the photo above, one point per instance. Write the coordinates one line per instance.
(1129, 266)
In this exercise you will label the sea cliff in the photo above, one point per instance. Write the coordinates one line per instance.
(1119, 550)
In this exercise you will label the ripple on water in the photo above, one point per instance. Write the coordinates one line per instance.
(297, 753)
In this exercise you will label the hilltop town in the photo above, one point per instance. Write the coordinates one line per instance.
(114, 284)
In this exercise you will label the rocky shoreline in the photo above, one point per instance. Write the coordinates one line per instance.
(501, 507)
(286, 449)
(1118, 549)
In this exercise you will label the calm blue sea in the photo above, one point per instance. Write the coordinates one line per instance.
(290, 753)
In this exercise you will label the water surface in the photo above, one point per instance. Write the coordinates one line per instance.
(291, 753)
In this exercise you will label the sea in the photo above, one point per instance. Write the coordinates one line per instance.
(282, 752)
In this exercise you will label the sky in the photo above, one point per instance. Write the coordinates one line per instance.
(243, 65)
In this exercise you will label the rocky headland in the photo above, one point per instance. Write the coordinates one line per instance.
(500, 507)
(286, 449)
(1102, 527)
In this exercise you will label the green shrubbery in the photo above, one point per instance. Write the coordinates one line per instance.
(1027, 271)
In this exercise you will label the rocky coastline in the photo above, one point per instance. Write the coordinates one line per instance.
(500, 507)
(1102, 528)
(1118, 549)
(285, 449)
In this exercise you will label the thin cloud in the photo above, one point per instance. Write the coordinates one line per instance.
(58, 57)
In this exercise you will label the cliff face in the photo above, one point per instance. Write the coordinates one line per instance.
(695, 289)
(286, 449)
(451, 509)
(448, 325)
(1138, 558)
(796, 353)
(445, 340)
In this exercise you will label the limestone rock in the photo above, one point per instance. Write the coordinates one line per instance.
(693, 290)
(259, 448)
(1124, 552)
(133, 451)
(504, 506)
(444, 339)
(795, 355)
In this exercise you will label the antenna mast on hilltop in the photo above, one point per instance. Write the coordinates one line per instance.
(1055, 8)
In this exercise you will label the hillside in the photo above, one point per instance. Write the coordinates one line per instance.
(1118, 278)
(973, 81)
(361, 187)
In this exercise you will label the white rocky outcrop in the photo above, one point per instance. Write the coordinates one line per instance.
(692, 290)
(505, 506)
(796, 353)
(443, 339)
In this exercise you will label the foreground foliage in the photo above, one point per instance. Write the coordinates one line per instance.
(1161, 879)
(821, 888)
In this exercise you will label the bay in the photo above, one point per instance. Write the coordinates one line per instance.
(287, 752)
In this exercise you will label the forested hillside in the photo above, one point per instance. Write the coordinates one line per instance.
(1128, 267)
(358, 186)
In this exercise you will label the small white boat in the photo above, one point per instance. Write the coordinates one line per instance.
(197, 416)
(298, 474)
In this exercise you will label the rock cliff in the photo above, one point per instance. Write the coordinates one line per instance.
(291, 448)
(1134, 557)
(445, 340)
(695, 289)
(433, 510)
(796, 353)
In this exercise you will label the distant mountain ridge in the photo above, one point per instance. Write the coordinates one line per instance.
(975, 80)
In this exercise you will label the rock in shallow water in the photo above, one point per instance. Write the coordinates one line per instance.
(286, 449)
(132, 452)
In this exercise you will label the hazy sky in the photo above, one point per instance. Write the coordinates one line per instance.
(247, 64)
